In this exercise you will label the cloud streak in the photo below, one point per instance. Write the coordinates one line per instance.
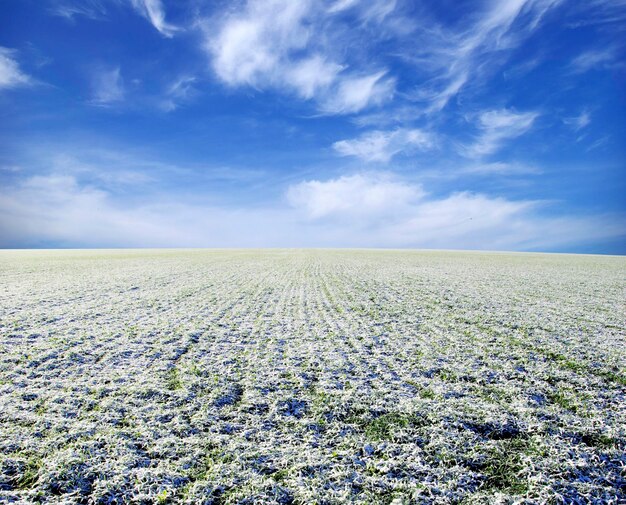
(179, 91)
(91, 9)
(453, 58)
(107, 87)
(11, 76)
(496, 127)
(154, 12)
(579, 122)
(381, 146)
(593, 59)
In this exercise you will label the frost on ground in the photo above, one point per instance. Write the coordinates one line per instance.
(311, 377)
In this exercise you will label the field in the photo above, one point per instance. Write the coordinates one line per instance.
(311, 376)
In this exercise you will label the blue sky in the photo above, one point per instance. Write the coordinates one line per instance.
(458, 124)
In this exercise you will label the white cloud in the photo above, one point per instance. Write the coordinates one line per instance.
(354, 195)
(154, 12)
(342, 5)
(354, 94)
(578, 122)
(496, 127)
(499, 168)
(151, 10)
(253, 46)
(11, 168)
(601, 142)
(601, 12)
(373, 210)
(280, 44)
(110, 169)
(452, 58)
(10, 74)
(593, 59)
(91, 9)
(58, 210)
(366, 10)
(440, 98)
(179, 91)
(383, 145)
(362, 210)
(312, 76)
(376, 10)
(107, 87)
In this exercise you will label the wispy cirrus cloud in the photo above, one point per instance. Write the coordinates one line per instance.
(11, 76)
(579, 122)
(370, 10)
(496, 127)
(107, 87)
(355, 93)
(122, 169)
(154, 12)
(69, 9)
(151, 10)
(381, 146)
(277, 45)
(108, 169)
(499, 168)
(179, 91)
(593, 59)
(451, 58)
(600, 12)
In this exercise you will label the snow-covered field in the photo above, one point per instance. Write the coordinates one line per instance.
(306, 377)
